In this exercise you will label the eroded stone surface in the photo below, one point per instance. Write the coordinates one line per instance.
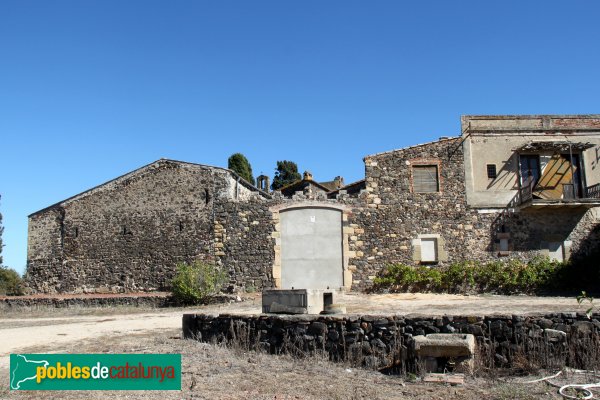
(444, 345)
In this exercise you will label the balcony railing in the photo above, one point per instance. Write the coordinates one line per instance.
(593, 192)
(570, 193)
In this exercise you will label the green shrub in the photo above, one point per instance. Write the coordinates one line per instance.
(11, 283)
(457, 277)
(194, 283)
(405, 277)
(512, 276)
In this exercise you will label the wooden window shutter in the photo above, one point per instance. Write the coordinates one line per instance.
(425, 179)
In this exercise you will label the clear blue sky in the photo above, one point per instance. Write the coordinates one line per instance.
(90, 90)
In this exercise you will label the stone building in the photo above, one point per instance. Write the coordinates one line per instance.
(128, 234)
(508, 186)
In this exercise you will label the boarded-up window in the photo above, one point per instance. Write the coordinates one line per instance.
(425, 179)
(428, 250)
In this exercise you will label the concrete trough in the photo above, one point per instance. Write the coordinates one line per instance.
(297, 301)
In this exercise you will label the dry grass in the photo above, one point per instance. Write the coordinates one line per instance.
(218, 372)
(235, 372)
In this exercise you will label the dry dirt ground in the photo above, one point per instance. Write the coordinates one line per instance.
(215, 372)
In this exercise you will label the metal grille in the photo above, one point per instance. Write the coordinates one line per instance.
(425, 179)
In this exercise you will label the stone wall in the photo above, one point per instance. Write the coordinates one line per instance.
(244, 244)
(128, 234)
(18, 303)
(394, 215)
(385, 340)
(395, 218)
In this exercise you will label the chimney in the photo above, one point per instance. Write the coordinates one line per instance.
(339, 181)
(308, 176)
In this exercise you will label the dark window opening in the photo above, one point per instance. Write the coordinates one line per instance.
(180, 226)
(327, 299)
(491, 171)
(76, 232)
(530, 169)
(206, 196)
(425, 179)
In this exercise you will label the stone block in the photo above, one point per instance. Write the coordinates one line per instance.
(435, 347)
(445, 345)
(553, 335)
(348, 279)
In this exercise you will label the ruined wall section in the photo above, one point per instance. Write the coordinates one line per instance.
(530, 231)
(128, 234)
(586, 237)
(243, 242)
(45, 249)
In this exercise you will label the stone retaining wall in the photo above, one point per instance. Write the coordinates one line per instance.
(150, 301)
(385, 341)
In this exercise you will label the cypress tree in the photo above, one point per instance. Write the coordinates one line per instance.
(286, 173)
(239, 164)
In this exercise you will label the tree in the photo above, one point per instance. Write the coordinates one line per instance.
(239, 164)
(286, 173)
(1, 230)
(11, 283)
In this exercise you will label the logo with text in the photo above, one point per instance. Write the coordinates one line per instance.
(95, 371)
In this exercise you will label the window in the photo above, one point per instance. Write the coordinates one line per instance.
(530, 169)
(555, 251)
(503, 245)
(491, 171)
(425, 179)
(429, 250)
